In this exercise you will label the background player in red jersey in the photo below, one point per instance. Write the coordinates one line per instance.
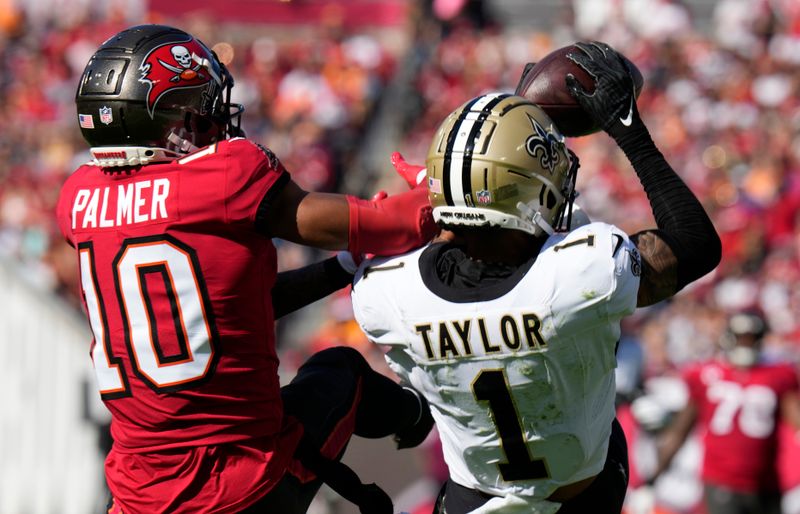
(738, 403)
(172, 224)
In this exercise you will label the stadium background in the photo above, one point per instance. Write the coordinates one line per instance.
(333, 87)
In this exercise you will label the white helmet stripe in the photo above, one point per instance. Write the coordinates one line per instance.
(458, 153)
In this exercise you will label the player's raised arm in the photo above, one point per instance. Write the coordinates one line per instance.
(685, 246)
(386, 226)
(325, 221)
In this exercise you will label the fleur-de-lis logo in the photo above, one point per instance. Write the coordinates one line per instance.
(544, 145)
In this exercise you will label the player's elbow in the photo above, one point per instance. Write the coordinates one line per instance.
(698, 255)
(709, 253)
(714, 251)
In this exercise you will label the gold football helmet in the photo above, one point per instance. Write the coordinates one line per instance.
(498, 160)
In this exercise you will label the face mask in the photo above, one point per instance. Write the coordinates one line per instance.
(743, 356)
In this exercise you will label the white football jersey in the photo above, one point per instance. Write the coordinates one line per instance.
(519, 374)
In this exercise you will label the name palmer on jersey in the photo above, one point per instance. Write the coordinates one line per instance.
(452, 339)
(139, 202)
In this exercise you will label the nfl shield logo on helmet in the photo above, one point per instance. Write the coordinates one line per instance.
(484, 197)
(105, 115)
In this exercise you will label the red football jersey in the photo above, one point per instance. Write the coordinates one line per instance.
(176, 284)
(739, 410)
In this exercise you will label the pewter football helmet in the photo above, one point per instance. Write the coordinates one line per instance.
(498, 160)
(153, 93)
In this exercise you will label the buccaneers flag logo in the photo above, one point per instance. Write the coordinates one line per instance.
(173, 66)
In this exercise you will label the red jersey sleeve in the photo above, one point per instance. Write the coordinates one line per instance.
(788, 381)
(64, 214)
(254, 176)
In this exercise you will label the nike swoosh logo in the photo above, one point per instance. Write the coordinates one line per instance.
(627, 120)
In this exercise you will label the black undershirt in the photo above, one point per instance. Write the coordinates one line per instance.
(455, 269)
(450, 274)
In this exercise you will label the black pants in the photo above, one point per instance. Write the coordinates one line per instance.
(335, 389)
(605, 495)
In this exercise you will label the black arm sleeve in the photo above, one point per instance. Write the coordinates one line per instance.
(682, 222)
(262, 214)
(297, 288)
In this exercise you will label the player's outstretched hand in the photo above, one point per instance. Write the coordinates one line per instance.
(612, 104)
(413, 174)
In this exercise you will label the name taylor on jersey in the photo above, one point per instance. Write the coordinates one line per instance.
(477, 336)
(583, 281)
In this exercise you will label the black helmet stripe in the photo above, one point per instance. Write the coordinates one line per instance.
(460, 145)
(448, 153)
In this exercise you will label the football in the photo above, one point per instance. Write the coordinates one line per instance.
(545, 85)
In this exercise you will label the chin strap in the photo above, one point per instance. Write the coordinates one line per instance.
(182, 145)
(535, 217)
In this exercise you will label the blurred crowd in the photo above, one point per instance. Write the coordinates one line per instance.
(721, 101)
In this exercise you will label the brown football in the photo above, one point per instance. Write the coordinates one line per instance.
(545, 85)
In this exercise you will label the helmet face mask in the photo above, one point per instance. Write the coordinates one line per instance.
(152, 93)
(500, 161)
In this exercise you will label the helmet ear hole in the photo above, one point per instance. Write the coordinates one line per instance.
(551, 199)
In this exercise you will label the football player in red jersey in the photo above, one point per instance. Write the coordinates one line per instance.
(172, 225)
(738, 403)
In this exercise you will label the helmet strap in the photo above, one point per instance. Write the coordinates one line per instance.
(535, 217)
(182, 145)
(539, 220)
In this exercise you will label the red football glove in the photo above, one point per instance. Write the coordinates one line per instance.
(380, 195)
(413, 174)
(391, 225)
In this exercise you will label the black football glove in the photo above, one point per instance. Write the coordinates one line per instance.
(612, 105)
(413, 435)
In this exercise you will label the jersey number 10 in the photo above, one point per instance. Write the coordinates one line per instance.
(160, 261)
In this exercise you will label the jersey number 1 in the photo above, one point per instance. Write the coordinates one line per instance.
(491, 386)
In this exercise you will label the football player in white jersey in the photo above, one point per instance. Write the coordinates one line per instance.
(508, 322)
